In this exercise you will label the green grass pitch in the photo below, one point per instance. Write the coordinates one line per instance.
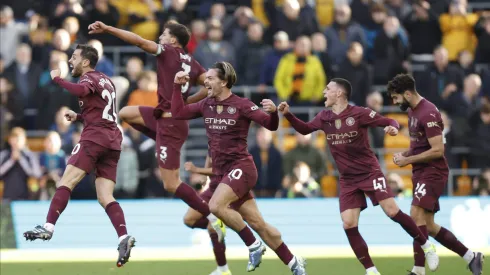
(332, 266)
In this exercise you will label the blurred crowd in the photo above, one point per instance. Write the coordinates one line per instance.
(281, 49)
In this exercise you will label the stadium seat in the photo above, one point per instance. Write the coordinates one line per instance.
(289, 142)
(329, 186)
(321, 141)
(407, 182)
(464, 186)
(35, 144)
(399, 141)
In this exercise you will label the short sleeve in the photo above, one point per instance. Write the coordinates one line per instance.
(432, 123)
(86, 81)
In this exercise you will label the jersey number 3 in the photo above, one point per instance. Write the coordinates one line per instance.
(187, 70)
(111, 104)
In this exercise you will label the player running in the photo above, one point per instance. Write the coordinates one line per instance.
(99, 147)
(159, 123)
(194, 219)
(360, 174)
(429, 170)
(227, 118)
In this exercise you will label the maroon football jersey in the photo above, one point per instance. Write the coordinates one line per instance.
(227, 124)
(99, 111)
(424, 122)
(347, 137)
(170, 61)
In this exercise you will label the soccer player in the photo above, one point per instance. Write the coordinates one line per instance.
(159, 123)
(227, 118)
(194, 219)
(429, 170)
(99, 147)
(360, 174)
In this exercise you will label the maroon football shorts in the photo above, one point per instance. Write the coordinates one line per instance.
(213, 184)
(88, 155)
(428, 186)
(353, 191)
(171, 135)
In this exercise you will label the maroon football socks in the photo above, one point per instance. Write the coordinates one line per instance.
(189, 196)
(359, 247)
(284, 254)
(58, 204)
(410, 227)
(447, 238)
(201, 223)
(116, 214)
(247, 236)
(219, 249)
(418, 252)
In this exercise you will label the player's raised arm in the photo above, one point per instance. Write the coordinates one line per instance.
(268, 118)
(127, 36)
(178, 108)
(299, 125)
(370, 118)
(79, 90)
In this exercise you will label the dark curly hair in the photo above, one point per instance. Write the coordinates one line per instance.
(401, 83)
(181, 32)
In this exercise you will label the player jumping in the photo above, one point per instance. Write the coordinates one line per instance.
(227, 118)
(429, 170)
(360, 174)
(99, 147)
(159, 123)
(194, 219)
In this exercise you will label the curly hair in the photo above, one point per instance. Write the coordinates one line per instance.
(401, 83)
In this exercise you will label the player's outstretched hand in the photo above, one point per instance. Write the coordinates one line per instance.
(268, 105)
(181, 77)
(97, 27)
(390, 130)
(283, 108)
(55, 73)
(189, 166)
(71, 115)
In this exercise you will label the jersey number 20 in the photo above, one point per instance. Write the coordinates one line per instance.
(111, 104)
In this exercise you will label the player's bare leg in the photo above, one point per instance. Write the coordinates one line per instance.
(132, 116)
(392, 210)
(350, 219)
(447, 239)
(105, 190)
(194, 219)
(271, 236)
(219, 205)
(173, 184)
(71, 177)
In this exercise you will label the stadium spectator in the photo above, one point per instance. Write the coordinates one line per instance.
(319, 49)
(198, 33)
(422, 22)
(465, 62)
(141, 17)
(440, 79)
(218, 11)
(214, 47)
(482, 31)
(17, 165)
(55, 60)
(134, 67)
(11, 113)
(295, 17)
(375, 27)
(481, 184)
(235, 29)
(398, 186)
(391, 54)
(146, 94)
(360, 11)
(300, 78)
(358, 73)
(61, 42)
(72, 26)
(52, 161)
(63, 127)
(250, 55)
(121, 84)
(104, 65)
(64, 9)
(268, 161)
(457, 29)
(302, 184)
(271, 61)
(176, 11)
(342, 33)
(12, 33)
(102, 10)
(399, 8)
(305, 152)
(127, 175)
(24, 75)
(374, 101)
(478, 140)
